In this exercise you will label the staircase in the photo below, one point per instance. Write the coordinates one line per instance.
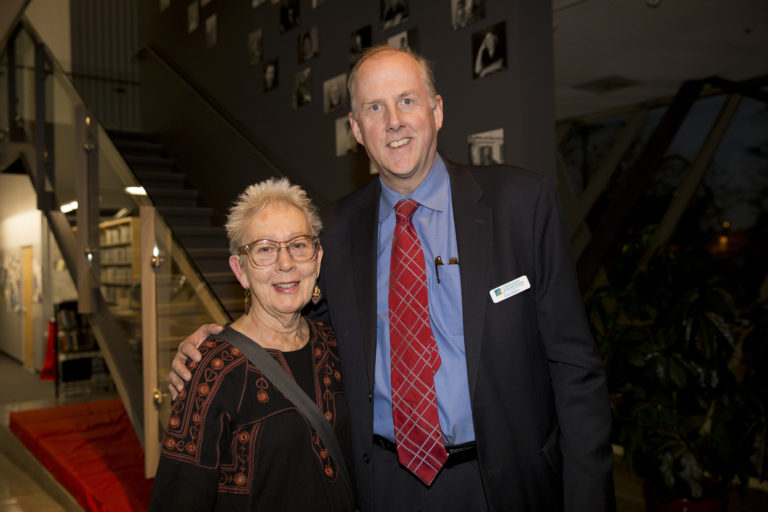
(178, 203)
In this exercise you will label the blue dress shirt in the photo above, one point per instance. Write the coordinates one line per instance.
(433, 221)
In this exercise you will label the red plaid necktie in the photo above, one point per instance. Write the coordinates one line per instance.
(414, 354)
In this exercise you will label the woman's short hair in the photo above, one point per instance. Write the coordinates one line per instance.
(258, 196)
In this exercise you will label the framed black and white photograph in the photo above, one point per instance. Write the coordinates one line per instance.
(315, 3)
(203, 3)
(308, 45)
(193, 16)
(489, 50)
(256, 3)
(359, 40)
(393, 12)
(406, 40)
(211, 31)
(345, 139)
(486, 148)
(302, 88)
(290, 16)
(164, 4)
(335, 93)
(464, 12)
(255, 47)
(270, 75)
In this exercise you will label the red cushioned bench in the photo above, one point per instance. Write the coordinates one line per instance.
(92, 450)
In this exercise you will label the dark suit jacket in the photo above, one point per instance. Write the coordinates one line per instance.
(537, 384)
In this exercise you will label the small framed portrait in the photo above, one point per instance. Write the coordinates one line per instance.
(393, 12)
(359, 40)
(256, 3)
(464, 12)
(315, 3)
(270, 75)
(345, 139)
(193, 16)
(489, 48)
(164, 4)
(203, 3)
(302, 88)
(335, 93)
(289, 15)
(407, 40)
(486, 148)
(255, 47)
(211, 31)
(308, 45)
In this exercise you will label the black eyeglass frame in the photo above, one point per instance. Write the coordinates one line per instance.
(245, 249)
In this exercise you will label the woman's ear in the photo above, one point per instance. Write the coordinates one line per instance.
(235, 264)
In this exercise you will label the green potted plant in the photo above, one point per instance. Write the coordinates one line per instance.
(689, 408)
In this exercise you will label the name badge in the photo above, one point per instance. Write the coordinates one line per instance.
(509, 289)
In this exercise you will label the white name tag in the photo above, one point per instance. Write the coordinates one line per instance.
(509, 289)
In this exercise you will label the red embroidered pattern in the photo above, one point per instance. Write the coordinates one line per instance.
(198, 407)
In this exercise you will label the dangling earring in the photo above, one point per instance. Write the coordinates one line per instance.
(247, 305)
(316, 295)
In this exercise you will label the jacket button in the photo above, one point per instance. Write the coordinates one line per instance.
(370, 397)
(366, 459)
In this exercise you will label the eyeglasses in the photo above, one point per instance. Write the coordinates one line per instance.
(265, 253)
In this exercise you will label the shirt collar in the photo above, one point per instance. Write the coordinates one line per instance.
(433, 193)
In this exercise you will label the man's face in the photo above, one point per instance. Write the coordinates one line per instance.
(395, 120)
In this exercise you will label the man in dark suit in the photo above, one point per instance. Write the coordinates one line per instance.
(520, 387)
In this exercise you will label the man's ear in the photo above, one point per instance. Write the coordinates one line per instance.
(437, 111)
(356, 129)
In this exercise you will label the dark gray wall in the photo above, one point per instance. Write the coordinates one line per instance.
(104, 41)
(300, 141)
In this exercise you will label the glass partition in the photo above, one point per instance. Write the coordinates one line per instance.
(85, 165)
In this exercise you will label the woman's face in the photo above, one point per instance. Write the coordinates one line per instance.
(282, 289)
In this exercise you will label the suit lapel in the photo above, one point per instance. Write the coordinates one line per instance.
(473, 221)
(364, 227)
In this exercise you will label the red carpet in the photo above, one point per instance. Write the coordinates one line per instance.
(92, 450)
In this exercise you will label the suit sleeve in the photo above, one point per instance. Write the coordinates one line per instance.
(575, 366)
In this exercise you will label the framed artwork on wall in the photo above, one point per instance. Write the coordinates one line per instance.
(464, 12)
(308, 44)
(405, 40)
(334, 93)
(290, 16)
(359, 40)
(270, 75)
(255, 47)
(345, 139)
(302, 88)
(211, 31)
(489, 48)
(486, 148)
(393, 12)
(193, 16)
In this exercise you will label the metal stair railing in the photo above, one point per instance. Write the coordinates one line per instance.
(51, 134)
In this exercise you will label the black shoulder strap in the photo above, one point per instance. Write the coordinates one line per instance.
(288, 387)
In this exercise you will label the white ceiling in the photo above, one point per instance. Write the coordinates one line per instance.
(657, 43)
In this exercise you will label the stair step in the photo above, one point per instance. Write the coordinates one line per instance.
(210, 259)
(148, 162)
(178, 216)
(160, 179)
(139, 147)
(173, 197)
(201, 237)
(121, 135)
